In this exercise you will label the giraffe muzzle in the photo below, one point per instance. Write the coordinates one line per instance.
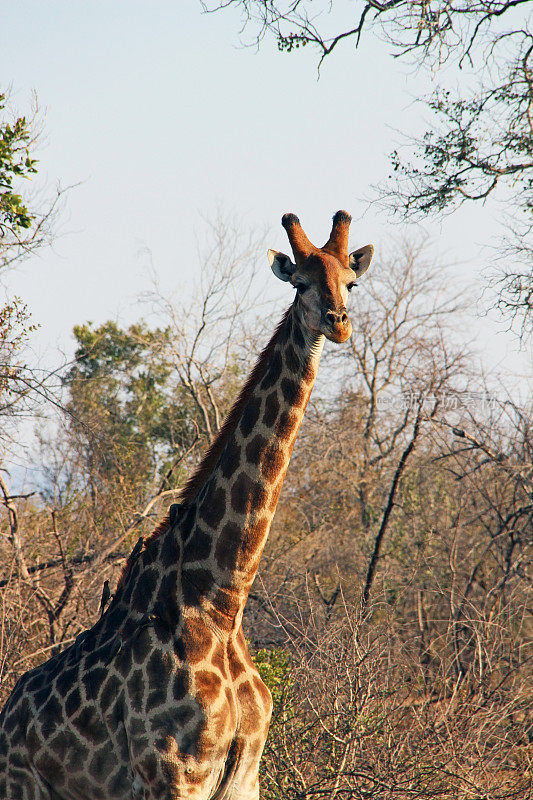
(337, 327)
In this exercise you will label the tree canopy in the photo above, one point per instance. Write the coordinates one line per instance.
(26, 225)
(125, 414)
(15, 162)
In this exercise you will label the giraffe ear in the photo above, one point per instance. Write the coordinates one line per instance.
(360, 259)
(281, 265)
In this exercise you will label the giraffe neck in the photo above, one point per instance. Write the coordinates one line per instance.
(226, 526)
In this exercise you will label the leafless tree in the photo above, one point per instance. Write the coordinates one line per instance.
(211, 339)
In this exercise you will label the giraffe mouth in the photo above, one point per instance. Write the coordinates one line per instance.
(337, 332)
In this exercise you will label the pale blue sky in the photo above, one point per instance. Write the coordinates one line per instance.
(162, 116)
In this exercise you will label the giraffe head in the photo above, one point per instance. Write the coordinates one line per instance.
(322, 276)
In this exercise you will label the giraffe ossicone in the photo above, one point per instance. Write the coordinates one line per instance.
(160, 699)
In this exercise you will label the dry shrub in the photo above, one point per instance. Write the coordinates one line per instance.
(357, 717)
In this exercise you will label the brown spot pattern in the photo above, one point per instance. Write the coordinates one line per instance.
(250, 416)
(213, 504)
(208, 685)
(248, 703)
(247, 494)
(273, 463)
(197, 640)
(199, 545)
(255, 448)
(271, 409)
(273, 372)
(286, 424)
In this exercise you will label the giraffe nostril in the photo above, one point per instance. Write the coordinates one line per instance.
(334, 318)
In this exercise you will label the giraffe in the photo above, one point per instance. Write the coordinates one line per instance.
(160, 699)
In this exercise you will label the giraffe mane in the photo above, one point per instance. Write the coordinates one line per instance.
(200, 475)
(122, 577)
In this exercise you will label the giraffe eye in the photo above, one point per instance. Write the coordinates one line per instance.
(350, 286)
(302, 287)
